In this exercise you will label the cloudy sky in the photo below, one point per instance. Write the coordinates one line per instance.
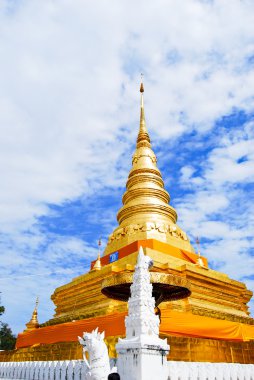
(69, 110)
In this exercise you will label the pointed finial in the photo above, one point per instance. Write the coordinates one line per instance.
(97, 265)
(143, 259)
(141, 84)
(140, 255)
(199, 260)
(37, 303)
(198, 245)
(143, 137)
(33, 323)
(99, 248)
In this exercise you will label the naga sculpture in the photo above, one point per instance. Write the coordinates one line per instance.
(98, 364)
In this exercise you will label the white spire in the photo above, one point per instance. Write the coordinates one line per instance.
(142, 354)
(141, 319)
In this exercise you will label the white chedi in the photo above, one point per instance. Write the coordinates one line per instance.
(142, 354)
(141, 320)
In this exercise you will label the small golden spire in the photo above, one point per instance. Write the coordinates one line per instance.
(199, 261)
(143, 137)
(33, 323)
(97, 265)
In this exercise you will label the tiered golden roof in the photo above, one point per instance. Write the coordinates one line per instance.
(146, 212)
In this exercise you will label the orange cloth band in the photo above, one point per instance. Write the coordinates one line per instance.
(156, 245)
(172, 323)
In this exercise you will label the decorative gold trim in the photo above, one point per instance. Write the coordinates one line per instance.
(162, 228)
(166, 287)
(156, 277)
(204, 312)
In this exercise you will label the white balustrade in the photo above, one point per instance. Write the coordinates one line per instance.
(76, 370)
(210, 371)
(54, 370)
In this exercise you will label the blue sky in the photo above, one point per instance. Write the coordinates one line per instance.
(69, 114)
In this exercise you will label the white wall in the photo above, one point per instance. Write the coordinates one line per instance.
(55, 370)
(210, 371)
(76, 370)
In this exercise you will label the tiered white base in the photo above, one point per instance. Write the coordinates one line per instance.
(137, 360)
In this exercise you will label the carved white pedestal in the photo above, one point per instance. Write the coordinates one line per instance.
(142, 360)
(142, 354)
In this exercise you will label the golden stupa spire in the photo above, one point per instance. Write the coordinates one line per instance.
(145, 199)
(143, 137)
(33, 323)
(146, 213)
(97, 265)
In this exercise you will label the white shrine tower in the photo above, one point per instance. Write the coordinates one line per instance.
(142, 355)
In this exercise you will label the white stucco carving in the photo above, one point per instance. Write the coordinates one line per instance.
(141, 319)
(142, 354)
(98, 364)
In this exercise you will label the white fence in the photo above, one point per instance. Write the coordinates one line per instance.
(76, 370)
(55, 370)
(210, 371)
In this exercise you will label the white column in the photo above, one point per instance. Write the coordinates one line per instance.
(142, 354)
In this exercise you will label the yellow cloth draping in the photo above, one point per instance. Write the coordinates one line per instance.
(112, 324)
(188, 324)
(172, 323)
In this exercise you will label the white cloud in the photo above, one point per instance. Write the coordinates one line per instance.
(227, 157)
(222, 215)
(28, 271)
(186, 174)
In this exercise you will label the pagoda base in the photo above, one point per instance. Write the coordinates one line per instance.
(181, 349)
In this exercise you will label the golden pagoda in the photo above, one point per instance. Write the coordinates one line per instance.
(212, 324)
(33, 323)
